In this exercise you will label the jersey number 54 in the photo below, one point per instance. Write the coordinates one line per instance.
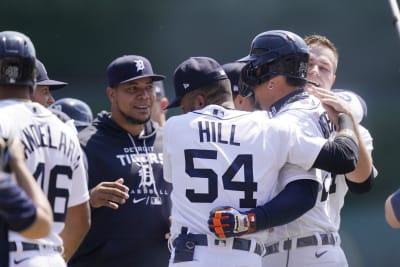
(248, 186)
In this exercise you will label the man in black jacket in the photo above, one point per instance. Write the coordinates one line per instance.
(128, 195)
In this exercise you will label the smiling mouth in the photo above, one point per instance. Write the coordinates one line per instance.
(142, 107)
(313, 83)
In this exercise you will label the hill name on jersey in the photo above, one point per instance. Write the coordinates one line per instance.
(210, 131)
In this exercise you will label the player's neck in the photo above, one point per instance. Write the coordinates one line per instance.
(132, 128)
(14, 92)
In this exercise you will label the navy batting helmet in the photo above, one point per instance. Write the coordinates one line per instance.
(76, 109)
(275, 53)
(17, 59)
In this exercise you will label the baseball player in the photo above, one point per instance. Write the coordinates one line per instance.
(52, 153)
(44, 86)
(23, 206)
(129, 197)
(75, 109)
(215, 163)
(311, 239)
(247, 102)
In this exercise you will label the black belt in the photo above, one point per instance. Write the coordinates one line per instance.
(326, 239)
(12, 246)
(238, 243)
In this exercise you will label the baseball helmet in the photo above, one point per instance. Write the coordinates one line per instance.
(17, 59)
(275, 53)
(76, 109)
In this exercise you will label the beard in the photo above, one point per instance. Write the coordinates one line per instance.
(133, 120)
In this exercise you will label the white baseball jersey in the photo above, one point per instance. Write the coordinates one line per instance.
(219, 157)
(325, 215)
(54, 157)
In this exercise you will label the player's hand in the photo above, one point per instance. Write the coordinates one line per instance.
(229, 222)
(109, 194)
(332, 103)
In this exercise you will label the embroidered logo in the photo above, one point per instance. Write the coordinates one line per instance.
(16, 262)
(320, 254)
(139, 65)
(146, 190)
(303, 69)
(12, 73)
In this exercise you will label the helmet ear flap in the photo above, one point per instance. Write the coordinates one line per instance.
(245, 89)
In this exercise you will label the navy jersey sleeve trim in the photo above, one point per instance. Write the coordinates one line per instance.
(293, 201)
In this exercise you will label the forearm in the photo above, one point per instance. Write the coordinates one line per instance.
(340, 155)
(364, 166)
(293, 201)
(77, 224)
(362, 179)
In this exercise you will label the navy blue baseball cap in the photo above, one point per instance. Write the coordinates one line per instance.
(43, 79)
(193, 74)
(129, 68)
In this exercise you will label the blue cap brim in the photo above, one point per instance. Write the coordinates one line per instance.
(246, 59)
(52, 84)
(153, 77)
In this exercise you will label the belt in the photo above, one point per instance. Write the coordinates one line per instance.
(238, 243)
(12, 246)
(326, 239)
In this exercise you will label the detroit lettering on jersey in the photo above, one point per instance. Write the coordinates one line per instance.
(130, 155)
(140, 159)
(37, 136)
(217, 132)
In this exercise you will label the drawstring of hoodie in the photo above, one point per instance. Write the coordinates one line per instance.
(148, 175)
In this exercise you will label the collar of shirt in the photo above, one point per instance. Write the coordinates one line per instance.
(290, 98)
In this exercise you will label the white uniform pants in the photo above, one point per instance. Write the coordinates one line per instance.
(43, 257)
(219, 253)
(326, 255)
(220, 257)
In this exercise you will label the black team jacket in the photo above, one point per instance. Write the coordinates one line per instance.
(134, 234)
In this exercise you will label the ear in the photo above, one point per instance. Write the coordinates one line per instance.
(110, 93)
(164, 103)
(199, 102)
(241, 99)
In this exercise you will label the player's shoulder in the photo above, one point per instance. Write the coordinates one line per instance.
(279, 125)
(308, 103)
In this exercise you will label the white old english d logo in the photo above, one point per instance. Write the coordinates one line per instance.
(139, 65)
